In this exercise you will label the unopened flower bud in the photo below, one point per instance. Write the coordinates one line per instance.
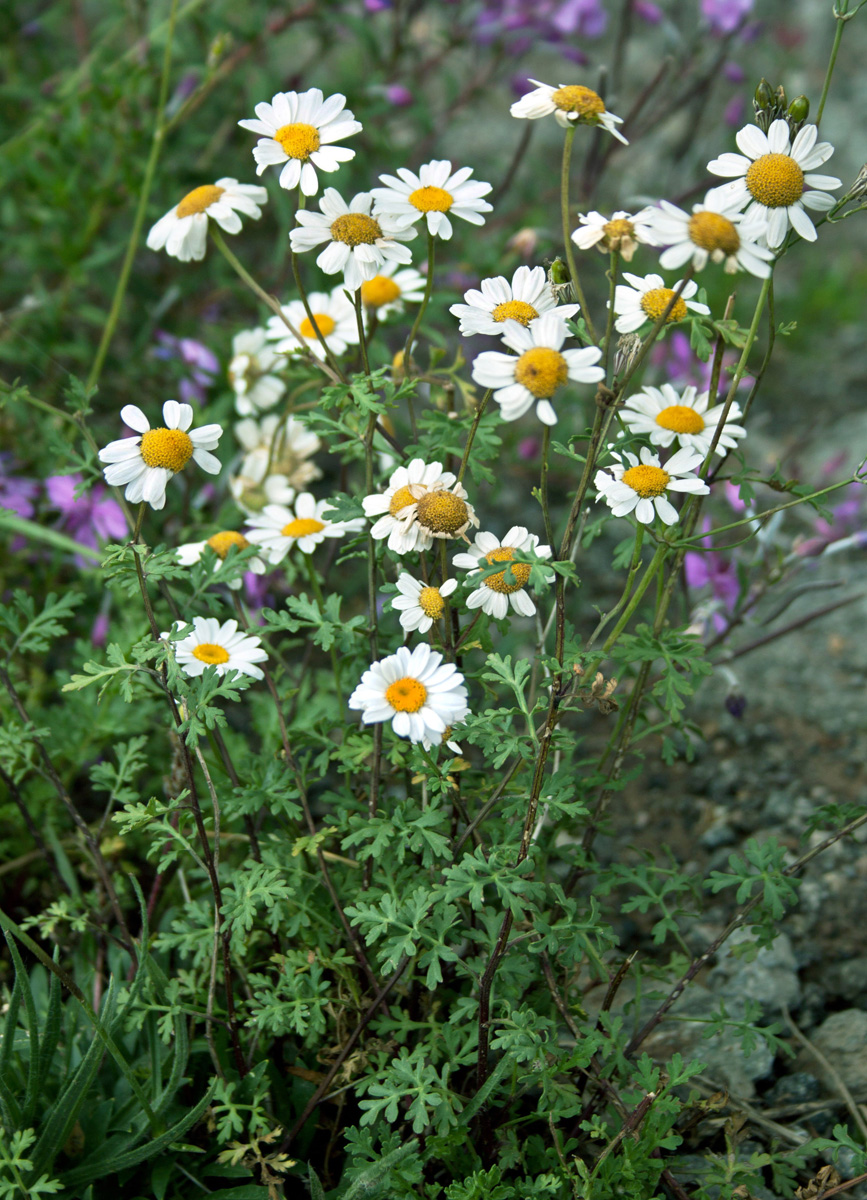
(799, 110)
(625, 352)
(524, 242)
(736, 704)
(764, 95)
(558, 272)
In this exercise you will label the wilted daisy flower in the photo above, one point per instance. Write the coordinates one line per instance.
(497, 592)
(334, 317)
(447, 739)
(253, 360)
(772, 177)
(421, 502)
(420, 694)
(539, 370)
(433, 194)
(420, 604)
(663, 415)
(622, 233)
(222, 646)
(570, 104)
(648, 298)
(146, 463)
(275, 463)
(716, 231)
(221, 543)
(358, 244)
(300, 129)
(183, 231)
(641, 486)
(523, 300)
(277, 528)
(391, 288)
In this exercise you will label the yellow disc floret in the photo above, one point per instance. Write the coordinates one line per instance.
(541, 371)
(221, 543)
(355, 229)
(681, 419)
(431, 602)
(167, 448)
(442, 512)
(712, 232)
(646, 480)
(615, 230)
(775, 180)
(324, 324)
(406, 695)
(302, 527)
(515, 310)
(431, 199)
(198, 200)
(298, 140)
(379, 291)
(577, 99)
(657, 300)
(210, 653)
(402, 498)
(520, 571)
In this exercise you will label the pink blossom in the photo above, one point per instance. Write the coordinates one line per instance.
(89, 519)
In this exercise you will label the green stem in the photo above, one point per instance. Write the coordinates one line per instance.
(320, 603)
(646, 579)
(609, 324)
(567, 237)
(471, 436)
(543, 487)
(431, 254)
(362, 339)
(633, 571)
(841, 17)
(138, 222)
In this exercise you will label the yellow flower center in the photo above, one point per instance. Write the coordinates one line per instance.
(520, 571)
(710, 231)
(298, 140)
(199, 199)
(401, 499)
(379, 291)
(355, 229)
(302, 526)
(775, 180)
(541, 371)
(656, 301)
(681, 419)
(515, 310)
(578, 99)
(431, 602)
(406, 695)
(442, 512)
(210, 653)
(324, 324)
(431, 199)
(222, 542)
(615, 230)
(169, 448)
(647, 481)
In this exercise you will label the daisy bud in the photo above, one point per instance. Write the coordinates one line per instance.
(524, 242)
(797, 112)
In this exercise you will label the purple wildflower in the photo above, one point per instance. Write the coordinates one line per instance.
(716, 570)
(91, 517)
(16, 492)
(724, 16)
(651, 13)
(202, 361)
(398, 95)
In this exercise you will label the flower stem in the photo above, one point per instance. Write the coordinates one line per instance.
(567, 239)
(431, 254)
(471, 436)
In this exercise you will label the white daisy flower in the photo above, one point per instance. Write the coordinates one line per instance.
(419, 604)
(570, 103)
(663, 415)
(496, 592)
(222, 646)
(715, 232)
(275, 463)
(434, 193)
(772, 176)
(646, 299)
(183, 231)
(221, 543)
(523, 300)
(253, 360)
(421, 502)
(300, 129)
(539, 370)
(391, 288)
(359, 244)
(641, 486)
(147, 462)
(278, 528)
(334, 317)
(419, 693)
(621, 233)
(447, 739)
